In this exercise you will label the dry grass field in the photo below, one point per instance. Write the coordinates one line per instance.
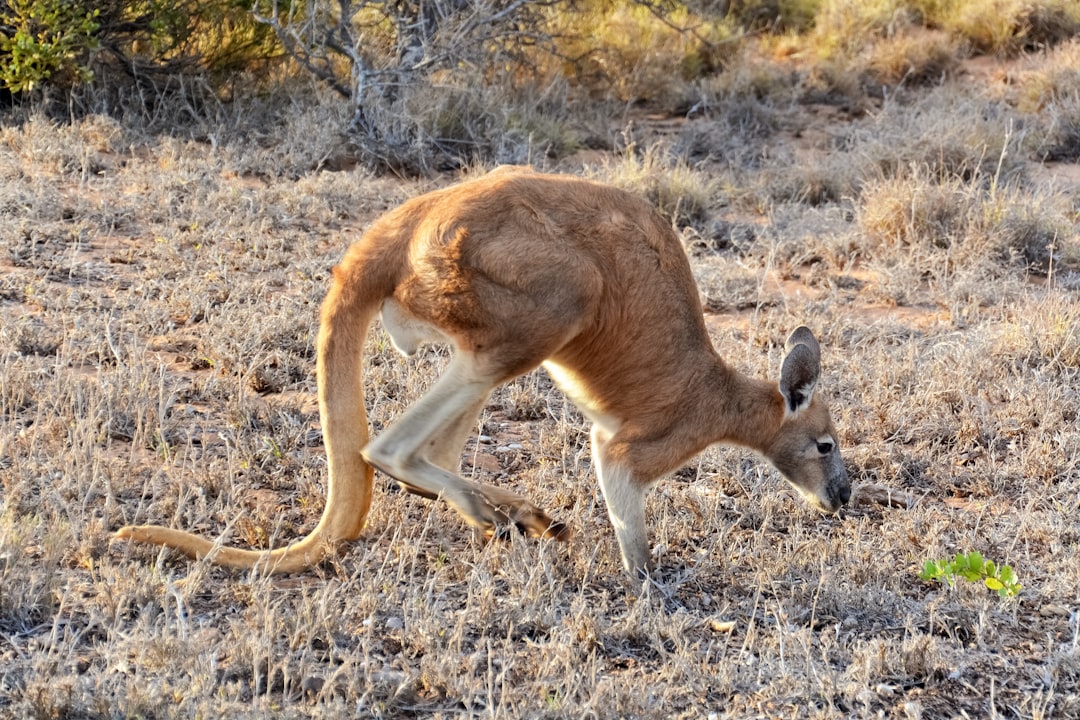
(158, 309)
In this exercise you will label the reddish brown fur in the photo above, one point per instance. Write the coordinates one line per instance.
(518, 269)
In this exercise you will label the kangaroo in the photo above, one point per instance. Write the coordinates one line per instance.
(518, 269)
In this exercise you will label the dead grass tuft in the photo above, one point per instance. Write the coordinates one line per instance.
(1048, 339)
(1009, 26)
(950, 134)
(913, 58)
(1002, 225)
(638, 53)
(679, 192)
(1053, 93)
(958, 236)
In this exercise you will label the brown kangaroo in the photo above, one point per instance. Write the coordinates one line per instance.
(518, 269)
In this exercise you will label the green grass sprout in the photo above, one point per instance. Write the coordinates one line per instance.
(975, 568)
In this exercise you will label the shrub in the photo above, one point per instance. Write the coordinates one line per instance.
(45, 40)
(776, 15)
(842, 28)
(60, 45)
(1004, 26)
(415, 75)
(642, 52)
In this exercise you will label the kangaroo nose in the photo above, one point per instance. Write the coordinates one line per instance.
(839, 484)
(844, 494)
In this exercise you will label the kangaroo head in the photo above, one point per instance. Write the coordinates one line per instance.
(804, 449)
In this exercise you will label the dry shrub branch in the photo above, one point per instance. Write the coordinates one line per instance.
(411, 71)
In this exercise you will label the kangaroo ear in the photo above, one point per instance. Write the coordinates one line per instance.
(801, 369)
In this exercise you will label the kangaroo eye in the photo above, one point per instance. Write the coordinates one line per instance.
(825, 446)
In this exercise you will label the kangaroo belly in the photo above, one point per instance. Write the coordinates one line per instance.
(569, 382)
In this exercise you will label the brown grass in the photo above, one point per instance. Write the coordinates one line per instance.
(158, 305)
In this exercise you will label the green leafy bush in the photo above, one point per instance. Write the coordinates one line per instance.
(62, 44)
(44, 39)
(974, 567)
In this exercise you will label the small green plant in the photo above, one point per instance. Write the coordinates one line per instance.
(975, 568)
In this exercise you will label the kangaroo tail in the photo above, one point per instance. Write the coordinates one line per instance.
(347, 312)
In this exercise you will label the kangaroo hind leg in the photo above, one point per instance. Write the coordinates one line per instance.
(445, 448)
(415, 449)
(407, 334)
(448, 446)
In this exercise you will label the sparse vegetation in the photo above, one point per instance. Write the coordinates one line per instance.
(909, 191)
